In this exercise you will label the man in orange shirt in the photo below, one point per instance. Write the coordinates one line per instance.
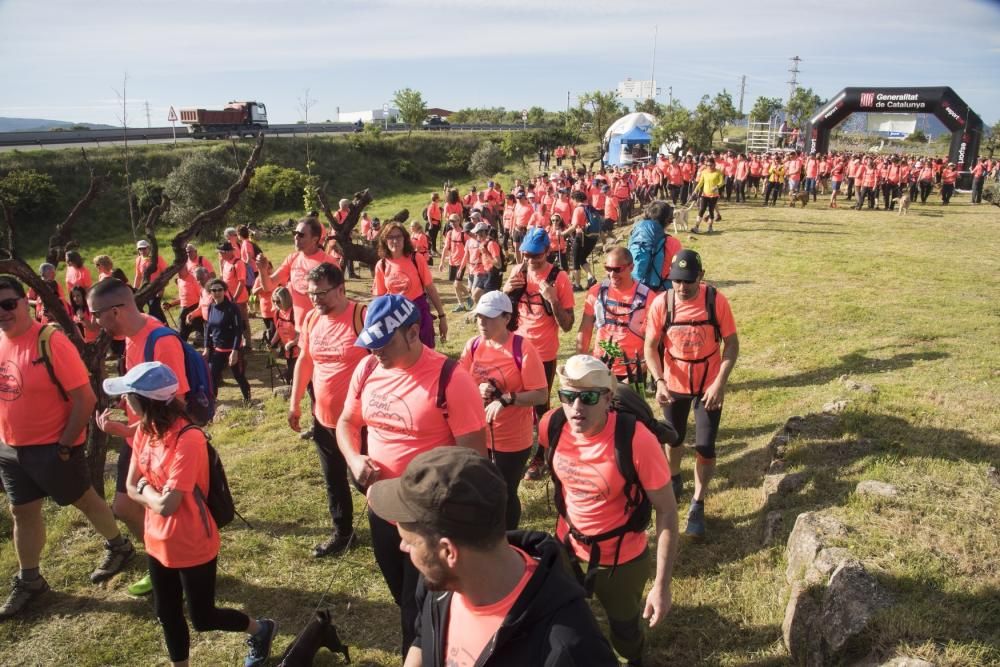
(528, 611)
(44, 411)
(327, 360)
(411, 399)
(700, 347)
(142, 264)
(234, 272)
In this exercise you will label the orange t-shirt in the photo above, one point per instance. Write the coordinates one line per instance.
(264, 298)
(167, 351)
(189, 536)
(564, 208)
(402, 275)
(485, 257)
(140, 265)
(75, 276)
(188, 288)
(511, 431)
(534, 323)
(204, 301)
(593, 487)
(331, 357)
(471, 628)
(455, 246)
(399, 406)
(690, 342)
(31, 410)
(284, 327)
(421, 244)
(294, 273)
(234, 274)
(454, 209)
(247, 254)
(616, 326)
(522, 215)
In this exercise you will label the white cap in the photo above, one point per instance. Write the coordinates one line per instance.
(142, 244)
(151, 379)
(494, 304)
(583, 370)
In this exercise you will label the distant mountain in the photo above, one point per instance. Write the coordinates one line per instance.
(43, 124)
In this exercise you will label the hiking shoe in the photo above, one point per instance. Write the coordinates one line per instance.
(115, 560)
(696, 520)
(306, 435)
(469, 304)
(142, 587)
(21, 593)
(260, 643)
(460, 308)
(591, 282)
(535, 472)
(337, 544)
(578, 288)
(677, 482)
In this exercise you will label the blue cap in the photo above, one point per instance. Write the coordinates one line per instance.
(151, 379)
(386, 314)
(536, 241)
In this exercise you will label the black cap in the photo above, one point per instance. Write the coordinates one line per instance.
(685, 266)
(225, 246)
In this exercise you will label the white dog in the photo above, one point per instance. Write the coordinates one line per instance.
(681, 216)
(904, 202)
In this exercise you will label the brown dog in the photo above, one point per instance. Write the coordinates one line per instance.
(802, 197)
(318, 633)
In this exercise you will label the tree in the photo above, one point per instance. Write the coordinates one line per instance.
(486, 160)
(802, 105)
(673, 125)
(28, 193)
(536, 116)
(723, 112)
(603, 108)
(650, 106)
(412, 108)
(765, 107)
(194, 185)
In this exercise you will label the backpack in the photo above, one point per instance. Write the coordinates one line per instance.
(219, 499)
(517, 347)
(45, 356)
(638, 508)
(648, 245)
(200, 398)
(251, 276)
(517, 294)
(595, 220)
(711, 319)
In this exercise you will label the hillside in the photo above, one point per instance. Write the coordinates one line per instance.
(42, 124)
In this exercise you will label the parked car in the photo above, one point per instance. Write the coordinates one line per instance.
(435, 123)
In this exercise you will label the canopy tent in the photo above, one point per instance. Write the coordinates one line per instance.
(625, 133)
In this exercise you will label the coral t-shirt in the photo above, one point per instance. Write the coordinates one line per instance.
(471, 628)
(594, 489)
(332, 356)
(234, 274)
(402, 275)
(534, 323)
(294, 272)
(628, 331)
(75, 276)
(167, 351)
(264, 298)
(140, 266)
(690, 342)
(455, 246)
(511, 432)
(31, 410)
(399, 407)
(188, 288)
(522, 215)
(189, 536)
(247, 254)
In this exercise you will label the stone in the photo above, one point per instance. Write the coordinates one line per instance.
(778, 446)
(813, 531)
(825, 563)
(851, 600)
(993, 475)
(871, 487)
(776, 467)
(283, 391)
(836, 407)
(782, 485)
(798, 628)
(773, 523)
(853, 385)
(795, 424)
(906, 661)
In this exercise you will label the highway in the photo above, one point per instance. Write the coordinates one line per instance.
(159, 135)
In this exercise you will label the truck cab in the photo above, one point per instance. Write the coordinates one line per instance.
(255, 112)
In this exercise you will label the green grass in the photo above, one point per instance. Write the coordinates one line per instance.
(906, 304)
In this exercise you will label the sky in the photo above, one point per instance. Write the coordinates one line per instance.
(68, 60)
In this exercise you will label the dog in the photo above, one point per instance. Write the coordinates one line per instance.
(318, 633)
(800, 196)
(904, 202)
(681, 217)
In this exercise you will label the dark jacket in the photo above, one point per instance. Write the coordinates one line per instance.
(550, 624)
(224, 326)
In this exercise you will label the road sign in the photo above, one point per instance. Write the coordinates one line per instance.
(172, 115)
(630, 89)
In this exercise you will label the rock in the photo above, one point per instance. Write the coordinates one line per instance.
(282, 391)
(825, 563)
(810, 535)
(221, 410)
(778, 446)
(906, 661)
(836, 407)
(853, 385)
(776, 467)
(871, 487)
(993, 475)
(850, 602)
(795, 424)
(773, 523)
(782, 485)
(798, 629)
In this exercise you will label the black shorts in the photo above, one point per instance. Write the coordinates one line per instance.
(487, 281)
(454, 273)
(582, 249)
(517, 235)
(124, 459)
(33, 472)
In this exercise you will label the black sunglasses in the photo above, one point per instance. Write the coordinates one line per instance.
(684, 282)
(616, 269)
(587, 396)
(217, 289)
(10, 304)
(98, 313)
(297, 234)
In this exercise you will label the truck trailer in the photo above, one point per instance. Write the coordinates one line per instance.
(237, 118)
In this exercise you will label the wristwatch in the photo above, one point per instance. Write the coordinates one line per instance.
(140, 485)
(507, 402)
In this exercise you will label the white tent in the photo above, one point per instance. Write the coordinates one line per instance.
(619, 151)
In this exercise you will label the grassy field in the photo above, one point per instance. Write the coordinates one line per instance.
(907, 304)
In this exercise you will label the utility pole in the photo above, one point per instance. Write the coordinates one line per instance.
(652, 70)
(670, 93)
(743, 87)
(567, 101)
(149, 123)
(793, 83)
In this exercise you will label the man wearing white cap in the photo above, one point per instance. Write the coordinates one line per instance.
(609, 474)
(143, 264)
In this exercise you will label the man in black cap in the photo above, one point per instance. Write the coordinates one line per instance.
(502, 598)
(700, 347)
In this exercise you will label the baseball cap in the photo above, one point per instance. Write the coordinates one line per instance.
(468, 227)
(481, 228)
(494, 304)
(531, 195)
(520, 194)
(584, 370)
(535, 241)
(141, 244)
(686, 266)
(452, 490)
(386, 314)
(225, 246)
(151, 379)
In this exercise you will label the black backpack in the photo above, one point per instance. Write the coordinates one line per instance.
(219, 499)
(710, 319)
(517, 294)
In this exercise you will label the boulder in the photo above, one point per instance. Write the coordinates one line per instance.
(776, 467)
(906, 661)
(871, 487)
(778, 445)
(993, 475)
(795, 424)
(773, 523)
(799, 630)
(851, 600)
(813, 531)
(836, 407)
(782, 485)
(282, 391)
(825, 563)
(853, 385)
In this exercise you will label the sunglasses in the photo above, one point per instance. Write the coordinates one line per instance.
(319, 294)
(216, 289)
(298, 234)
(616, 269)
(98, 312)
(532, 255)
(587, 396)
(10, 304)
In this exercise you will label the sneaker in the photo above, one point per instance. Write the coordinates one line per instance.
(460, 308)
(142, 587)
(115, 560)
(591, 282)
(677, 482)
(469, 304)
(696, 520)
(535, 471)
(260, 643)
(578, 288)
(21, 593)
(337, 544)
(306, 435)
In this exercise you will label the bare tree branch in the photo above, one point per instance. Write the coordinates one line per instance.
(8, 217)
(342, 230)
(59, 240)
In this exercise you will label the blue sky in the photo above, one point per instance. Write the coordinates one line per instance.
(65, 59)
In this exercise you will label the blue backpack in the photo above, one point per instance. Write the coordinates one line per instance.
(595, 219)
(647, 243)
(200, 399)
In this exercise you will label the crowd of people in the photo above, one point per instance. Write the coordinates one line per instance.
(393, 416)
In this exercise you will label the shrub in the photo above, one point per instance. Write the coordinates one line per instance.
(280, 186)
(406, 170)
(28, 193)
(197, 183)
(486, 160)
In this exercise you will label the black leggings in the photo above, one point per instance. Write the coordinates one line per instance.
(399, 574)
(706, 422)
(925, 190)
(432, 235)
(219, 361)
(707, 204)
(511, 466)
(771, 188)
(188, 328)
(338, 490)
(197, 584)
